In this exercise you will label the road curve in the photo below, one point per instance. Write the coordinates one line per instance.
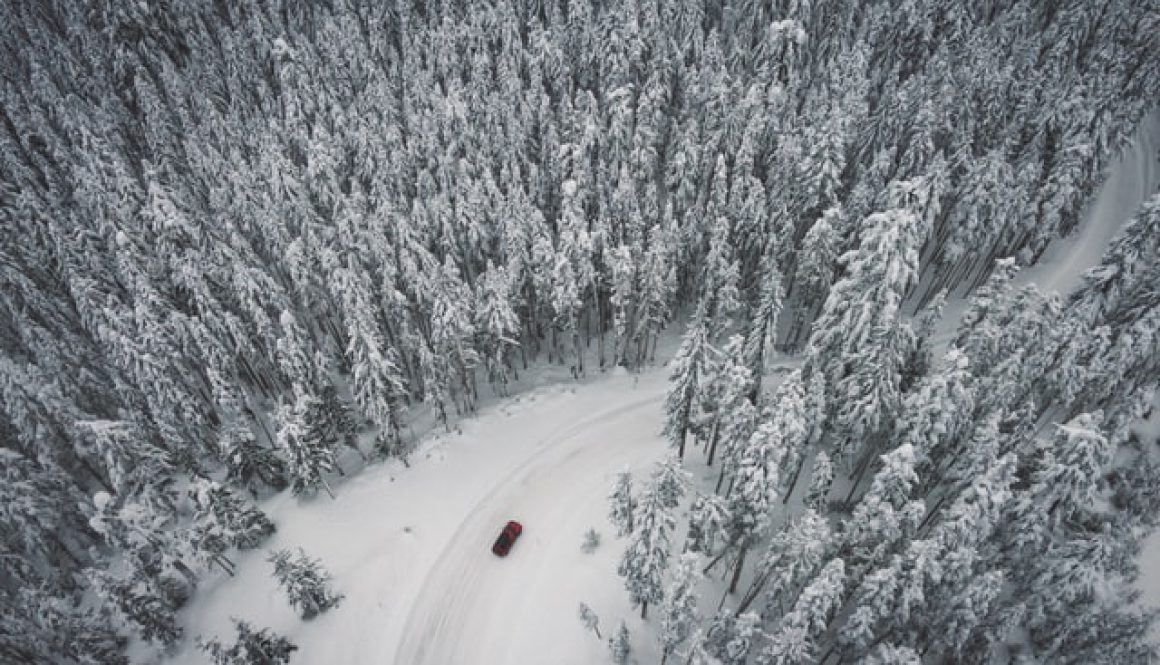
(476, 608)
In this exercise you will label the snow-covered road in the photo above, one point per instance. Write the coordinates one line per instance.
(410, 548)
(476, 608)
(1132, 178)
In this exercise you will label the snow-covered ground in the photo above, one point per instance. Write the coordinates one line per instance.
(410, 547)
(1131, 180)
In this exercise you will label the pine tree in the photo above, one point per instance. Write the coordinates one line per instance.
(497, 324)
(936, 414)
(249, 463)
(670, 481)
(679, 611)
(590, 620)
(708, 517)
(860, 342)
(886, 512)
(720, 294)
(657, 287)
(623, 300)
(307, 585)
(306, 446)
(40, 627)
(122, 449)
(789, 419)
(821, 479)
(647, 555)
(723, 397)
(621, 506)
(619, 647)
(296, 356)
(763, 329)
(818, 263)
(138, 602)
(811, 614)
(252, 647)
(222, 521)
(793, 556)
(926, 321)
(690, 365)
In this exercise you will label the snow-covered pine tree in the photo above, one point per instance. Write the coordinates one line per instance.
(789, 418)
(821, 479)
(886, 512)
(708, 516)
(753, 492)
(497, 326)
(689, 367)
(251, 647)
(936, 414)
(623, 300)
(890, 654)
(811, 614)
(860, 342)
(296, 354)
(720, 278)
(738, 639)
(619, 647)
(926, 322)
(762, 333)
(377, 382)
(1126, 257)
(306, 583)
(308, 449)
(223, 521)
(249, 463)
(123, 450)
(621, 504)
(646, 557)
(978, 330)
(815, 269)
(44, 628)
(1066, 478)
(589, 619)
(794, 554)
(719, 402)
(657, 288)
(453, 331)
(137, 601)
(670, 481)
(679, 610)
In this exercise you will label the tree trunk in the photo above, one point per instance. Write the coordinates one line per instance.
(644, 610)
(720, 478)
(712, 563)
(754, 591)
(793, 480)
(737, 570)
(713, 441)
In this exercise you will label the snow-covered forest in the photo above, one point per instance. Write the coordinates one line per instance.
(245, 242)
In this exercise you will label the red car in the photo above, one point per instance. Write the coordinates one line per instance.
(507, 538)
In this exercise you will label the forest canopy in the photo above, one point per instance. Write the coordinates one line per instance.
(234, 235)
